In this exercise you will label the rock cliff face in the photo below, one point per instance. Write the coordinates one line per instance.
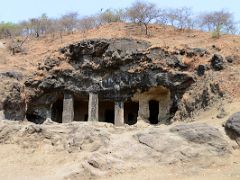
(115, 69)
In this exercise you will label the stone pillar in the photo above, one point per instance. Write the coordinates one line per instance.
(93, 107)
(68, 109)
(2, 117)
(119, 113)
(49, 114)
(164, 107)
(143, 112)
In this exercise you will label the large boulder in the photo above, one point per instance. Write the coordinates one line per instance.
(185, 142)
(232, 127)
(201, 134)
(14, 106)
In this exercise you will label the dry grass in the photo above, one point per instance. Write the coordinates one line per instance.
(37, 49)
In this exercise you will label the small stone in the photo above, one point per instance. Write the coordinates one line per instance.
(201, 70)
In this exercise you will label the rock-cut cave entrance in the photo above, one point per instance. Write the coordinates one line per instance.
(153, 111)
(57, 110)
(81, 109)
(106, 111)
(131, 112)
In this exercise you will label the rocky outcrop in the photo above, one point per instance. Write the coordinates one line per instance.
(202, 134)
(232, 127)
(118, 69)
(12, 74)
(14, 105)
(217, 62)
(199, 97)
(102, 149)
(115, 69)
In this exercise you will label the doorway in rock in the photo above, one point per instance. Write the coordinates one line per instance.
(35, 118)
(81, 109)
(131, 112)
(57, 110)
(109, 116)
(106, 111)
(153, 111)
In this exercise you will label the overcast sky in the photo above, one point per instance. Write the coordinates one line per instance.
(16, 10)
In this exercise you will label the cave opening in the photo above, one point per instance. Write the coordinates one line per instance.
(106, 111)
(109, 116)
(131, 112)
(81, 109)
(153, 111)
(35, 118)
(57, 110)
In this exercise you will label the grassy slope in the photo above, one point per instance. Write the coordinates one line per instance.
(38, 48)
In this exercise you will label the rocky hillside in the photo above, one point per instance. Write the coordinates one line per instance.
(193, 49)
(203, 72)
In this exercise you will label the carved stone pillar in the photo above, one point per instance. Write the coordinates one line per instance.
(119, 114)
(49, 114)
(164, 107)
(93, 107)
(143, 112)
(68, 109)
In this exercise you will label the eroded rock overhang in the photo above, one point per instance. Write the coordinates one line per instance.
(117, 70)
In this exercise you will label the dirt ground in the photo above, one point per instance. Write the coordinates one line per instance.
(17, 164)
(224, 169)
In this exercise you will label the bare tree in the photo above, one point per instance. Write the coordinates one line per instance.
(110, 15)
(218, 21)
(143, 13)
(16, 45)
(181, 18)
(171, 16)
(44, 23)
(184, 18)
(26, 27)
(87, 23)
(54, 27)
(35, 26)
(69, 21)
(162, 18)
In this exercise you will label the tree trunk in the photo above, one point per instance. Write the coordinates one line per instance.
(146, 29)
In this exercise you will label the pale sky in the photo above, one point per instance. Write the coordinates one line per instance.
(16, 10)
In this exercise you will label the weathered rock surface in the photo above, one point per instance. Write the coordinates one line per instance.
(200, 96)
(202, 134)
(217, 62)
(12, 74)
(115, 69)
(233, 59)
(14, 105)
(118, 69)
(201, 70)
(104, 149)
(232, 127)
